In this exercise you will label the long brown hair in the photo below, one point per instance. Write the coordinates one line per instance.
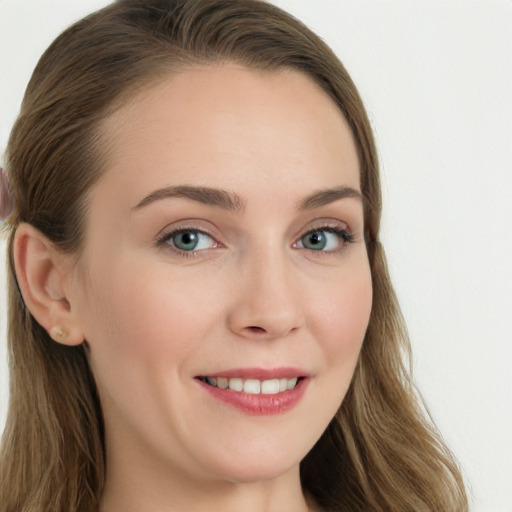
(380, 452)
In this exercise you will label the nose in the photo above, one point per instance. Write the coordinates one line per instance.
(266, 301)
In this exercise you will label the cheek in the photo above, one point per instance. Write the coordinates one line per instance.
(340, 326)
(143, 342)
(136, 324)
(342, 318)
(339, 315)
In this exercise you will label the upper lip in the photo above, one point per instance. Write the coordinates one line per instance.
(284, 372)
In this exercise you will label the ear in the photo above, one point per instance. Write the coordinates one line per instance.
(42, 271)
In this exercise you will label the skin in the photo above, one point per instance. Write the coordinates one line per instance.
(155, 317)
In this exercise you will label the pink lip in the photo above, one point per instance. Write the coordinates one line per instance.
(259, 404)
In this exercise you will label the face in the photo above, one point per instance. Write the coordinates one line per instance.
(224, 247)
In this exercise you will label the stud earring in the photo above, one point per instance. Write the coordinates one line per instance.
(58, 333)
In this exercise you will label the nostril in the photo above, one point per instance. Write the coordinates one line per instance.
(256, 329)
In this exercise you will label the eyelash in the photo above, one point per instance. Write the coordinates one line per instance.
(167, 237)
(345, 238)
(344, 235)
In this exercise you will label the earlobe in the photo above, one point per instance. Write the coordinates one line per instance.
(42, 270)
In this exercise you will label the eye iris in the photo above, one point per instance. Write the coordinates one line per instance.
(187, 240)
(316, 240)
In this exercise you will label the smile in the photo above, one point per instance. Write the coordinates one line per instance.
(253, 386)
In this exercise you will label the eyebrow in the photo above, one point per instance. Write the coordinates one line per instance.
(205, 195)
(327, 196)
(233, 202)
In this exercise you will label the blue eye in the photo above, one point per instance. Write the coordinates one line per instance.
(324, 240)
(190, 240)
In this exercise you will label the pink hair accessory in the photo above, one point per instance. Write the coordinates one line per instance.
(6, 196)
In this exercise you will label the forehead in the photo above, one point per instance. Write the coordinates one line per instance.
(203, 125)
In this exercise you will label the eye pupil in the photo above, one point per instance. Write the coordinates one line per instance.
(316, 240)
(187, 240)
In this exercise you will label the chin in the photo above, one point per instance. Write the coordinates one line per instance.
(262, 466)
(258, 473)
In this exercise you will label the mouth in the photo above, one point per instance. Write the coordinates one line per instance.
(253, 386)
(257, 391)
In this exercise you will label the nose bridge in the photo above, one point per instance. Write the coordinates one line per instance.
(267, 303)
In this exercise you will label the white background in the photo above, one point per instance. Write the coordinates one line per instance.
(436, 77)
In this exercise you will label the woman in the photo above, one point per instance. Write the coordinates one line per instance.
(200, 312)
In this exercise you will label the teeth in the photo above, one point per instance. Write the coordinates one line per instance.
(222, 383)
(291, 383)
(253, 386)
(270, 387)
(236, 384)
